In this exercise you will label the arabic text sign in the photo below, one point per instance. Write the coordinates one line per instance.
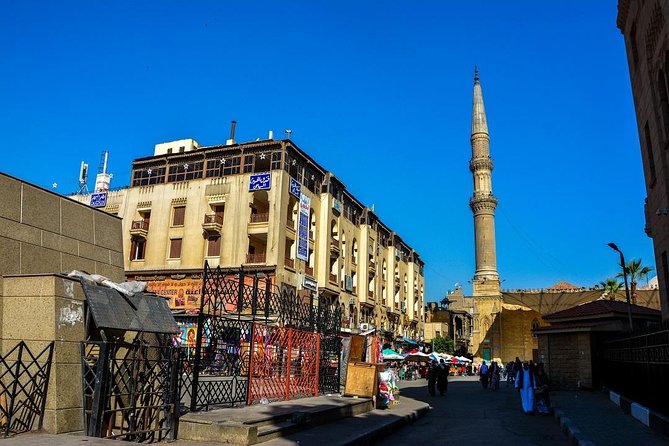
(303, 229)
(99, 200)
(295, 188)
(260, 181)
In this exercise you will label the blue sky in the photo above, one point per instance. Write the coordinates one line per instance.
(377, 92)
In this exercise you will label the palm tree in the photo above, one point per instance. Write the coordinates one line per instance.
(635, 272)
(611, 287)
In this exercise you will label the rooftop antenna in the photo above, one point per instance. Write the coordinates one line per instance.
(103, 178)
(288, 132)
(83, 179)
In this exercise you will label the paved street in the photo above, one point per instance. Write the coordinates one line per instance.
(474, 416)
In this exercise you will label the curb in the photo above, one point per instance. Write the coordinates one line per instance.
(384, 430)
(570, 429)
(655, 421)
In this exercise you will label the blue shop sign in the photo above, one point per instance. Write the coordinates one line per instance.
(295, 188)
(260, 181)
(99, 200)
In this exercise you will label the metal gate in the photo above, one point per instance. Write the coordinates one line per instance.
(220, 370)
(284, 364)
(24, 381)
(130, 390)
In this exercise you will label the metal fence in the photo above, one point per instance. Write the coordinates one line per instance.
(130, 391)
(218, 370)
(637, 365)
(24, 382)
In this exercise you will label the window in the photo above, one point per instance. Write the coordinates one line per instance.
(149, 175)
(169, 151)
(276, 160)
(232, 165)
(175, 248)
(633, 45)
(664, 101)
(650, 155)
(248, 163)
(182, 149)
(137, 248)
(178, 216)
(185, 171)
(214, 246)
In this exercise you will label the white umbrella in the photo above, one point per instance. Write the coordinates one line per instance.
(392, 356)
(463, 359)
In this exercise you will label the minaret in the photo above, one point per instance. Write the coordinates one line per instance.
(483, 203)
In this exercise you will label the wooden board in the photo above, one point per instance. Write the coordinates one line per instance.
(361, 379)
(357, 348)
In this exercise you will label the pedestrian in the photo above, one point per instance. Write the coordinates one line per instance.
(493, 373)
(543, 391)
(483, 373)
(442, 378)
(526, 383)
(432, 374)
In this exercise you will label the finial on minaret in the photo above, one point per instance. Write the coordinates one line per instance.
(476, 73)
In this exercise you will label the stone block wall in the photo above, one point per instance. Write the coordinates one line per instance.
(567, 359)
(40, 309)
(43, 232)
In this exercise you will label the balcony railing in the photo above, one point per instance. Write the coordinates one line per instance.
(309, 270)
(140, 224)
(213, 218)
(354, 290)
(290, 263)
(290, 223)
(260, 218)
(333, 278)
(311, 235)
(370, 293)
(334, 242)
(213, 223)
(139, 228)
(256, 258)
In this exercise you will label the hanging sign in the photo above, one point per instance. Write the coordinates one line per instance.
(295, 188)
(260, 181)
(303, 229)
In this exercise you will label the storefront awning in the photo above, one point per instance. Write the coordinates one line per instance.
(409, 341)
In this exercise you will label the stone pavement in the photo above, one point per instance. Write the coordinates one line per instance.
(591, 418)
(467, 414)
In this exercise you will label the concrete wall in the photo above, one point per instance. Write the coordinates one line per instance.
(43, 232)
(43, 308)
(567, 359)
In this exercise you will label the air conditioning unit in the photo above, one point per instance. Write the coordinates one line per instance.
(397, 253)
(365, 326)
(348, 283)
(403, 306)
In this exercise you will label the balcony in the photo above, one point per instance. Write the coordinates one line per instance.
(256, 258)
(289, 263)
(334, 245)
(213, 223)
(139, 228)
(370, 294)
(333, 278)
(354, 290)
(311, 235)
(309, 270)
(290, 224)
(259, 218)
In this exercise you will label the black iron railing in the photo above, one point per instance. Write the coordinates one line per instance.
(130, 391)
(636, 364)
(24, 381)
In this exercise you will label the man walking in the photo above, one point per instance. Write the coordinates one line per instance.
(432, 374)
(526, 383)
(442, 377)
(483, 372)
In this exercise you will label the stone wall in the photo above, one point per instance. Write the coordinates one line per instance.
(567, 359)
(40, 309)
(43, 232)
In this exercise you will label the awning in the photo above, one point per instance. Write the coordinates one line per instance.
(409, 341)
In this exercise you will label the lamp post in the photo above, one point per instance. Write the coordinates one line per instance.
(627, 290)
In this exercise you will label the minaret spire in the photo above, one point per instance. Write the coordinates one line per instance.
(483, 202)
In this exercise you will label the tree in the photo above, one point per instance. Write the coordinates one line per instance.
(635, 272)
(611, 287)
(443, 344)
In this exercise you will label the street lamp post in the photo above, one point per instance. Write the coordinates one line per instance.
(627, 290)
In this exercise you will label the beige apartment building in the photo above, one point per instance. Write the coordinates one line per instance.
(268, 207)
(645, 26)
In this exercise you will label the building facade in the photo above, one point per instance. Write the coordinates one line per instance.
(268, 207)
(645, 26)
